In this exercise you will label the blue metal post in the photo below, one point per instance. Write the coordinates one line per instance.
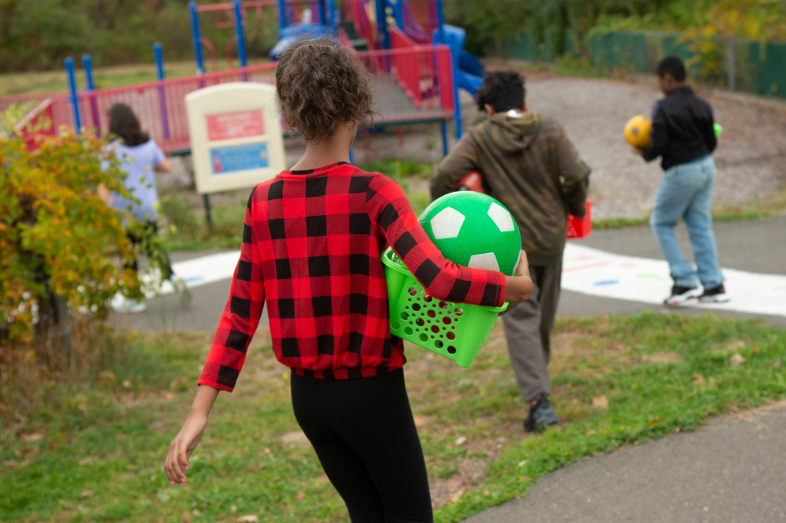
(321, 12)
(441, 22)
(331, 9)
(398, 12)
(282, 16)
(382, 23)
(197, 37)
(161, 94)
(158, 52)
(350, 156)
(87, 64)
(459, 124)
(454, 60)
(241, 35)
(69, 65)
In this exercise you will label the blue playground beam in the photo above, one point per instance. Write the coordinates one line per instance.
(241, 35)
(398, 12)
(454, 69)
(73, 97)
(382, 23)
(282, 17)
(441, 22)
(159, 54)
(196, 36)
(87, 65)
(331, 10)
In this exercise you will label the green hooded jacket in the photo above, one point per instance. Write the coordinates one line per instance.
(532, 168)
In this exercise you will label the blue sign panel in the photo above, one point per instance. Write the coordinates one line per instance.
(225, 160)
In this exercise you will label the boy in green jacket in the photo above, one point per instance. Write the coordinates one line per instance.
(535, 171)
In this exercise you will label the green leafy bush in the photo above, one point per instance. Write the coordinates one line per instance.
(59, 242)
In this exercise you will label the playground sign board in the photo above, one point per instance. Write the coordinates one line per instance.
(235, 136)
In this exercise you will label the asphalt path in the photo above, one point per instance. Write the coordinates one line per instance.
(733, 470)
(754, 245)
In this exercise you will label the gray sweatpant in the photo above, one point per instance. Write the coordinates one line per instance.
(528, 329)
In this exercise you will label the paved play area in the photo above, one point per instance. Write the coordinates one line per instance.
(611, 272)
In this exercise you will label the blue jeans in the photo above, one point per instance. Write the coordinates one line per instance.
(685, 192)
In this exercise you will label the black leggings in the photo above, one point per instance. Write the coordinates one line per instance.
(364, 435)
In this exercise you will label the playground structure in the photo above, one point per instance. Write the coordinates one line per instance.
(416, 63)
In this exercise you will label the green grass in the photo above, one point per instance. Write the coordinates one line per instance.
(399, 169)
(754, 209)
(104, 77)
(102, 443)
(187, 230)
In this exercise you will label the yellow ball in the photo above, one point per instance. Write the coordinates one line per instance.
(637, 132)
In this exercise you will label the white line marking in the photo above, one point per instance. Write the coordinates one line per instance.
(199, 271)
(585, 270)
(599, 273)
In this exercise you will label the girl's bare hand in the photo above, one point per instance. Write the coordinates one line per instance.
(519, 287)
(104, 193)
(182, 447)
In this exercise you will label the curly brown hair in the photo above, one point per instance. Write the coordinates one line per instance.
(321, 86)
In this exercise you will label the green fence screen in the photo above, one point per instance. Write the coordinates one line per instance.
(758, 67)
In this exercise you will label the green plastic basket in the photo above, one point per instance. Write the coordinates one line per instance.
(456, 331)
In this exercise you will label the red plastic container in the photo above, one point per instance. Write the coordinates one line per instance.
(578, 228)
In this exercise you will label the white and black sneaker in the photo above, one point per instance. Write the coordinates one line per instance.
(680, 295)
(714, 295)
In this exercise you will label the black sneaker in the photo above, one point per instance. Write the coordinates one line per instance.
(680, 295)
(540, 415)
(714, 295)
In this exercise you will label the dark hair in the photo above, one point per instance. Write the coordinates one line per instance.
(502, 90)
(321, 85)
(124, 124)
(672, 65)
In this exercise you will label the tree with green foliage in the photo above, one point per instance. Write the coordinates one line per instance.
(36, 35)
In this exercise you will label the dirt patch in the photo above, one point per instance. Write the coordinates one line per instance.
(662, 357)
(729, 346)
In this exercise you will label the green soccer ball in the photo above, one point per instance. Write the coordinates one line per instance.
(473, 230)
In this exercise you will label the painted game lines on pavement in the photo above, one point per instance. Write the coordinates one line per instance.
(599, 273)
(585, 270)
(199, 271)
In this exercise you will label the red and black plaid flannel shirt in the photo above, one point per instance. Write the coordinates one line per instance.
(312, 242)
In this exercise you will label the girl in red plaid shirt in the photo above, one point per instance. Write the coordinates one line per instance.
(311, 250)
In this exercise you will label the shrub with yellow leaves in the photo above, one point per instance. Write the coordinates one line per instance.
(61, 247)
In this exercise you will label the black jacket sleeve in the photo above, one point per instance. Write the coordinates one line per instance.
(709, 133)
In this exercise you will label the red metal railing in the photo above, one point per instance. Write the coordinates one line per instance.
(224, 13)
(38, 124)
(160, 106)
(411, 84)
(7, 101)
(411, 76)
(420, 20)
(362, 19)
